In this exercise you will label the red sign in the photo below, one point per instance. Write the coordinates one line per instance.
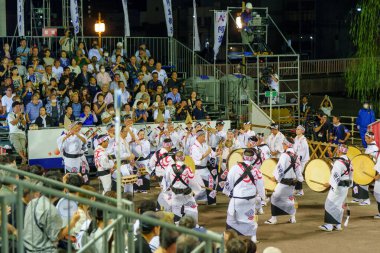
(49, 32)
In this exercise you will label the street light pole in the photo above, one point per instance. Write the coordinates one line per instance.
(100, 28)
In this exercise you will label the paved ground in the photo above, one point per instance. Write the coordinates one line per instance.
(361, 235)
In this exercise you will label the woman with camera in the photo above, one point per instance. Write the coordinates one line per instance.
(17, 124)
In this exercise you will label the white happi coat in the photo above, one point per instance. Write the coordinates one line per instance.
(189, 142)
(241, 212)
(176, 139)
(265, 151)
(73, 146)
(373, 151)
(181, 200)
(161, 167)
(243, 138)
(196, 152)
(156, 139)
(301, 147)
(216, 137)
(275, 143)
(337, 194)
(141, 152)
(103, 163)
(282, 199)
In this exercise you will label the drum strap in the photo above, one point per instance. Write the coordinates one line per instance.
(247, 172)
(159, 158)
(178, 173)
(293, 160)
(346, 163)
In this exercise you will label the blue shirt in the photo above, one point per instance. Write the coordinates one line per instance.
(33, 110)
(138, 114)
(339, 132)
(89, 121)
(21, 50)
(176, 98)
(77, 108)
(365, 117)
(199, 113)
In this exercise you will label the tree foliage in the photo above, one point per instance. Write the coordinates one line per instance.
(363, 80)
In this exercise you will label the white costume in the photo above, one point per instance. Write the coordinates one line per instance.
(216, 137)
(286, 174)
(156, 139)
(275, 143)
(103, 165)
(243, 138)
(264, 150)
(241, 208)
(141, 151)
(340, 181)
(202, 173)
(72, 150)
(183, 202)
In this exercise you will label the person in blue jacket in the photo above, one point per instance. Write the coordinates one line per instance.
(366, 116)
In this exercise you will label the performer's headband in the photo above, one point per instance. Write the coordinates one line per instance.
(370, 134)
(287, 143)
(199, 133)
(274, 126)
(343, 149)
(167, 144)
(300, 127)
(103, 138)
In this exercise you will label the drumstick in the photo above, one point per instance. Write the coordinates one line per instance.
(207, 188)
(316, 182)
(368, 174)
(266, 175)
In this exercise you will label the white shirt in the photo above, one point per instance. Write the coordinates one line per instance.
(197, 150)
(102, 162)
(95, 52)
(275, 85)
(124, 97)
(141, 150)
(302, 149)
(7, 102)
(275, 143)
(57, 72)
(13, 129)
(162, 165)
(91, 69)
(215, 138)
(338, 169)
(162, 76)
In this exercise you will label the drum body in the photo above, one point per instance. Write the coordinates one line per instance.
(189, 162)
(317, 173)
(267, 169)
(234, 158)
(353, 151)
(364, 171)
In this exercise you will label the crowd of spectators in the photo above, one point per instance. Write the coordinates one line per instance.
(75, 84)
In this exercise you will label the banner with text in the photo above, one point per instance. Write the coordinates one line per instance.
(74, 13)
(168, 17)
(127, 31)
(20, 18)
(219, 28)
(197, 43)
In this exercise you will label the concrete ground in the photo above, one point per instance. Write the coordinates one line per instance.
(361, 235)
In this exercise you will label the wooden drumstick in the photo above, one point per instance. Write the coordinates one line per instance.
(207, 188)
(316, 182)
(266, 175)
(368, 174)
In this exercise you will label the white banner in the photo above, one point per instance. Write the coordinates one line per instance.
(219, 29)
(168, 16)
(197, 43)
(20, 18)
(74, 15)
(127, 31)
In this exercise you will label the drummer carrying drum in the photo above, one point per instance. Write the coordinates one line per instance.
(340, 181)
(287, 174)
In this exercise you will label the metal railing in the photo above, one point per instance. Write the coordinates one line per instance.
(123, 222)
(308, 67)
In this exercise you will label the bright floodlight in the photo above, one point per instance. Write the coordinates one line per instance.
(239, 24)
(100, 27)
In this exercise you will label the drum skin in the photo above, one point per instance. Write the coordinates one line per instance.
(267, 169)
(234, 158)
(318, 170)
(364, 171)
(189, 162)
(353, 151)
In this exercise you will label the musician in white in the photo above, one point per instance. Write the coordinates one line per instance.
(201, 152)
(72, 146)
(287, 174)
(264, 148)
(180, 179)
(373, 150)
(156, 138)
(141, 150)
(158, 164)
(301, 147)
(222, 162)
(103, 163)
(173, 134)
(216, 136)
(244, 184)
(340, 182)
(231, 137)
(191, 137)
(244, 134)
(275, 140)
